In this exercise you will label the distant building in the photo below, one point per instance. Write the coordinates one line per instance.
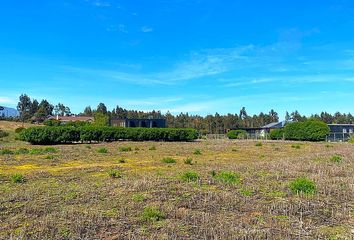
(340, 132)
(134, 122)
(66, 119)
(262, 131)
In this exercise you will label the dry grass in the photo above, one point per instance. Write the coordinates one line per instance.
(71, 195)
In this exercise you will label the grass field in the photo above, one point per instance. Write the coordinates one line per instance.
(210, 189)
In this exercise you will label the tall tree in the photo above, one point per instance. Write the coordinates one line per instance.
(24, 107)
(101, 108)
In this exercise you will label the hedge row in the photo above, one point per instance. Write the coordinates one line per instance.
(310, 130)
(57, 135)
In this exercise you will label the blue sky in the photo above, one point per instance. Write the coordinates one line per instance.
(199, 56)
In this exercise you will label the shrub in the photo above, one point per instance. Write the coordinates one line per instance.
(336, 158)
(3, 133)
(310, 130)
(237, 134)
(152, 214)
(168, 160)
(18, 178)
(228, 177)
(102, 150)
(188, 161)
(125, 149)
(22, 151)
(276, 134)
(115, 173)
(303, 185)
(190, 176)
(197, 152)
(19, 129)
(89, 133)
(6, 152)
(38, 151)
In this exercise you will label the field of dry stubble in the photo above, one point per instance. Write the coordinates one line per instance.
(208, 189)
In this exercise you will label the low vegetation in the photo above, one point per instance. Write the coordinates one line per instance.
(65, 134)
(230, 191)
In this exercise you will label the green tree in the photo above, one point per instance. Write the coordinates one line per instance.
(24, 107)
(101, 119)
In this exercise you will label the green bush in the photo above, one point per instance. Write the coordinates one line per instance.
(310, 130)
(3, 133)
(276, 134)
(64, 134)
(38, 151)
(115, 173)
(303, 185)
(227, 177)
(168, 160)
(237, 134)
(190, 176)
(18, 178)
(19, 129)
(197, 152)
(336, 158)
(102, 150)
(152, 214)
(125, 149)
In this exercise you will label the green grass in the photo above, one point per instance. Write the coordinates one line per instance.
(188, 161)
(102, 150)
(227, 177)
(115, 173)
(152, 214)
(18, 178)
(336, 158)
(259, 144)
(296, 146)
(152, 148)
(190, 176)
(125, 149)
(197, 152)
(6, 152)
(168, 160)
(39, 151)
(302, 185)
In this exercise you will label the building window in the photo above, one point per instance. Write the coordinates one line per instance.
(351, 130)
(344, 130)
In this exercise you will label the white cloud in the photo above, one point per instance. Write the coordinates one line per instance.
(7, 100)
(146, 29)
(99, 3)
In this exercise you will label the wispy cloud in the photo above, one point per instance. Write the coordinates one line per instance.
(6, 100)
(99, 3)
(146, 29)
(117, 28)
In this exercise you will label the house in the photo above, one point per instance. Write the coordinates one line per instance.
(255, 132)
(340, 132)
(66, 119)
(134, 122)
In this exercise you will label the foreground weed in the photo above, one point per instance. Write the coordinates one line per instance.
(138, 197)
(336, 158)
(303, 185)
(49, 157)
(246, 192)
(168, 160)
(152, 214)
(188, 161)
(153, 148)
(18, 178)
(296, 146)
(6, 152)
(102, 150)
(197, 152)
(125, 149)
(115, 173)
(22, 151)
(190, 176)
(259, 144)
(227, 177)
(122, 160)
(39, 151)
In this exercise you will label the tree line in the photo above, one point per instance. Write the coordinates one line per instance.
(32, 110)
